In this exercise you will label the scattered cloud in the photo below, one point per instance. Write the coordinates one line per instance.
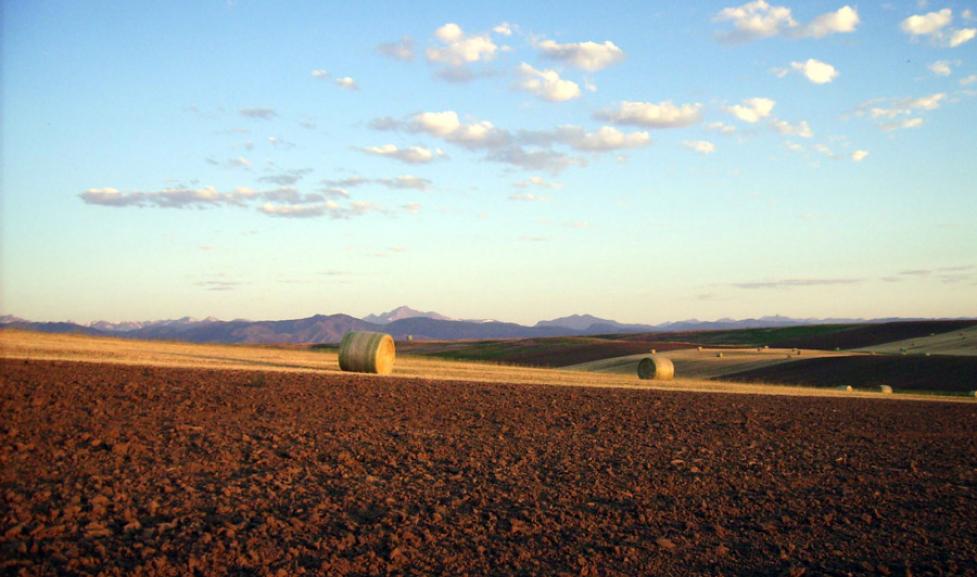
(589, 56)
(752, 110)
(859, 155)
(936, 27)
(816, 71)
(825, 150)
(652, 115)
(286, 177)
(410, 154)
(458, 50)
(406, 181)
(940, 68)
(700, 146)
(503, 29)
(537, 181)
(721, 127)
(347, 83)
(528, 197)
(320, 73)
(402, 49)
(888, 113)
(237, 162)
(547, 84)
(280, 143)
(758, 19)
(802, 129)
(904, 123)
(177, 197)
(968, 80)
(603, 139)
(259, 113)
(328, 208)
(796, 283)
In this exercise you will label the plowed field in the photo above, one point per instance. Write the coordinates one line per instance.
(126, 470)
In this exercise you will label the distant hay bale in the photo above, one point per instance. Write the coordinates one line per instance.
(367, 352)
(653, 351)
(972, 394)
(884, 389)
(656, 368)
(699, 349)
(846, 388)
(719, 355)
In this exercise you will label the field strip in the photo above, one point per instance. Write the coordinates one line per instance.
(59, 347)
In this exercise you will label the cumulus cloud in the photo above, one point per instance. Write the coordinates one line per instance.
(752, 110)
(603, 139)
(700, 146)
(320, 73)
(816, 71)
(537, 181)
(589, 56)
(286, 177)
(402, 49)
(259, 113)
(528, 197)
(721, 127)
(315, 209)
(177, 197)
(652, 115)
(347, 83)
(458, 50)
(940, 68)
(859, 155)
(801, 129)
(927, 24)
(842, 21)
(936, 27)
(503, 29)
(410, 154)
(759, 19)
(547, 84)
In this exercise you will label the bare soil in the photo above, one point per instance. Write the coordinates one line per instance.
(125, 470)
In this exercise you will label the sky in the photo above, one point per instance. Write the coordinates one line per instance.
(639, 161)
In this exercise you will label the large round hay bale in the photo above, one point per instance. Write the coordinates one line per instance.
(367, 352)
(846, 388)
(885, 389)
(656, 368)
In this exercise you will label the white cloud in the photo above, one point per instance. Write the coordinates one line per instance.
(528, 197)
(756, 19)
(961, 36)
(721, 127)
(589, 56)
(448, 126)
(347, 83)
(844, 20)
(547, 84)
(793, 146)
(759, 19)
(940, 68)
(537, 181)
(403, 49)
(859, 155)
(700, 146)
(458, 50)
(259, 113)
(320, 73)
(825, 150)
(503, 29)
(410, 154)
(652, 115)
(904, 123)
(801, 129)
(603, 139)
(927, 24)
(752, 110)
(905, 106)
(968, 80)
(816, 71)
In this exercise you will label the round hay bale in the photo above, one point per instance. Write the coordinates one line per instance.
(884, 389)
(719, 355)
(656, 368)
(972, 394)
(653, 351)
(846, 388)
(699, 349)
(367, 352)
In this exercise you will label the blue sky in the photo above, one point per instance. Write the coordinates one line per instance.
(638, 161)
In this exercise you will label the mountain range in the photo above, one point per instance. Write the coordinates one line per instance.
(401, 323)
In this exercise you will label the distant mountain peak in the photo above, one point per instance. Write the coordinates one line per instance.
(403, 312)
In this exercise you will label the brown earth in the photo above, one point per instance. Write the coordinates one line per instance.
(112, 470)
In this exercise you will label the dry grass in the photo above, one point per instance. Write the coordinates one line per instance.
(42, 346)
